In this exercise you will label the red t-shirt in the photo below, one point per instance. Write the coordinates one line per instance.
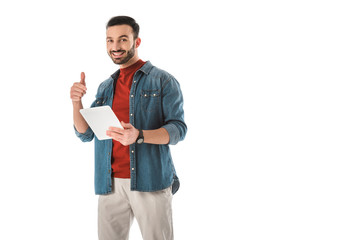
(120, 161)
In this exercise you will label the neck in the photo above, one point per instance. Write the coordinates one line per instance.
(130, 62)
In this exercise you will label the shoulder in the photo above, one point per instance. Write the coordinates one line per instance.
(157, 74)
(105, 84)
(160, 73)
(108, 82)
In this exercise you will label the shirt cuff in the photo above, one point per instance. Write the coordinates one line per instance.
(86, 136)
(174, 133)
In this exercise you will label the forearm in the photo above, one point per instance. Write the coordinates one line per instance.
(79, 122)
(157, 136)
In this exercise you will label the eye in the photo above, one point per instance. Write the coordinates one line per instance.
(123, 40)
(109, 41)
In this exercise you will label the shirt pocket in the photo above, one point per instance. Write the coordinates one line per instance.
(100, 101)
(150, 100)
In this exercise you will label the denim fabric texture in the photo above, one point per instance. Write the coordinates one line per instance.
(155, 101)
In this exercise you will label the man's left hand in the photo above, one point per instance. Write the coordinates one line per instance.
(125, 136)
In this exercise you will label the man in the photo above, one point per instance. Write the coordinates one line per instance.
(134, 172)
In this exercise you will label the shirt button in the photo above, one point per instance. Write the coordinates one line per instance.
(133, 169)
(132, 95)
(131, 114)
(132, 151)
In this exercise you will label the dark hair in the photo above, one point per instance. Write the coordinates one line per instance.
(125, 20)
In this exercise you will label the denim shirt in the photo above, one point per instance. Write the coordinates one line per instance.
(155, 101)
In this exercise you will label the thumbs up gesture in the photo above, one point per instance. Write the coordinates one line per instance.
(78, 89)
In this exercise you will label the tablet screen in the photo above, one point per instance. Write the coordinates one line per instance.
(100, 119)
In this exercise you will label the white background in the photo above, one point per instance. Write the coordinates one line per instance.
(271, 94)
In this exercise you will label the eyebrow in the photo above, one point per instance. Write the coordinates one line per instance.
(126, 36)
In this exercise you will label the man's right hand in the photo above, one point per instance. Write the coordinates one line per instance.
(78, 90)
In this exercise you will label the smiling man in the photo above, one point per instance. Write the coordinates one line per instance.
(134, 171)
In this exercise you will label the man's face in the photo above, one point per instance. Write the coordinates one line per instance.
(120, 43)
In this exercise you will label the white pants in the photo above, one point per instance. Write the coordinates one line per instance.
(152, 211)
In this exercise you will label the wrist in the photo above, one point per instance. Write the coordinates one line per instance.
(140, 138)
(77, 104)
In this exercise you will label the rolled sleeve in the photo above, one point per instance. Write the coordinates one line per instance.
(86, 136)
(174, 133)
(173, 111)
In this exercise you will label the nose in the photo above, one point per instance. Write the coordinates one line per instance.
(115, 46)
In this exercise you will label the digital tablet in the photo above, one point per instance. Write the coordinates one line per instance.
(100, 119)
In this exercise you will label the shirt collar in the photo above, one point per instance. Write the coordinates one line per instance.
(146, 68)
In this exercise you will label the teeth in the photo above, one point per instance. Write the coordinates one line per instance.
(117, 54)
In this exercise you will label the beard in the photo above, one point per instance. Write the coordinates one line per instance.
(127, 55)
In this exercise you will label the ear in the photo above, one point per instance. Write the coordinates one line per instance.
(137, 42)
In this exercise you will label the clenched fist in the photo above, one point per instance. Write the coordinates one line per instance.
(78, 90)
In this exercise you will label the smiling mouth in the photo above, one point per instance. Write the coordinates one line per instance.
(117, 54)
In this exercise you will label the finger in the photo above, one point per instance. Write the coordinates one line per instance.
(80, 85)
(114, 135)
(116, 130)
(75, 99)
(126, 125)
(82, 78)
(109, 133)
(77, 94)
(79, 90)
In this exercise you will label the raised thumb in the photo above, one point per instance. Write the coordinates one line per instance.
(82, 80)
